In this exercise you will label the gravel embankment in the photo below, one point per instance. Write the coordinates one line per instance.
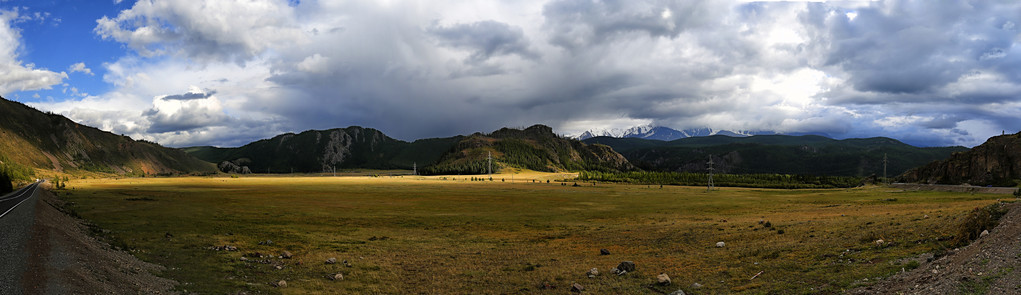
(61, 258)
(990, 265)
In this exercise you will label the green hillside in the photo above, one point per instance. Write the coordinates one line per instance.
(808, 155)
(535, 148)
(33, 139)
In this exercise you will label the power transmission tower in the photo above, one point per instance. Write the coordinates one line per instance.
(884, 168)
(414, 168)
(709, 169)
(489, 157)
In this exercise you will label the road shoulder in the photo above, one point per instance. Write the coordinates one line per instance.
(65, 259)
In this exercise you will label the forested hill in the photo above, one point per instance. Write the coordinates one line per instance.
(995, 162)
(784, 154)
(325, 150)
(33, 139)
(536, 148)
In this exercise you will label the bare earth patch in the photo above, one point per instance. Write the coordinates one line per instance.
(64, 259)
(990, 265)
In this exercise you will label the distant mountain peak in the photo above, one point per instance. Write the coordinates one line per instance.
(659, 133)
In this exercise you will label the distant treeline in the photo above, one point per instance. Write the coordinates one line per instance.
(785, 181)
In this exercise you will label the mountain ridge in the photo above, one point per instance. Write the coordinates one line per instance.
(782, 154)
(53, 142)
(668, 134)
(355, 147)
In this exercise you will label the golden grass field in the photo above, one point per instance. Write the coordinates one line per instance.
(437, 235)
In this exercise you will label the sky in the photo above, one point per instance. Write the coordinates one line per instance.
(228, 72)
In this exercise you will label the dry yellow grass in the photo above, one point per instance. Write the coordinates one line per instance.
(429, 235)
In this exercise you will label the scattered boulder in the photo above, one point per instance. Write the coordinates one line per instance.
(604, 252)
(696, 286)
(926, 216)
(880, 242)
(331, 260)
(224, 248)
(678, 292)
(337, 277)
(592, 272)
(626, 266)
(984, 233)
(279, 284)
(286, 255)
(266, 242)
(577, 288)
(720, 244)
(244, 258)
(663, 279)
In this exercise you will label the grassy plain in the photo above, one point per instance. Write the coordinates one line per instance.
(433, 235)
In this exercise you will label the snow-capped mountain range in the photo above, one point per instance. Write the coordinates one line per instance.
(662, 133)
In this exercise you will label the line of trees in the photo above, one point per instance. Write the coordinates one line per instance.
(784, 181)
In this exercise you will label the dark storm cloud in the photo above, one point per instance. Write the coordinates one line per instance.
(911, 47)
(484, 39)
(930, 73)
(575, 24)
(190, 95)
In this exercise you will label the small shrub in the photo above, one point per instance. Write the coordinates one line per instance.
(978, 220)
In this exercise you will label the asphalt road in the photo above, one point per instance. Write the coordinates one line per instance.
(17, 214)
(13, 199)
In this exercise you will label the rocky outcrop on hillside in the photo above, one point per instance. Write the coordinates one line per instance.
(996, 162)
(324, 150)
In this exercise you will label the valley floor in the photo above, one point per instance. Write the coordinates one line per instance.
(520, 234)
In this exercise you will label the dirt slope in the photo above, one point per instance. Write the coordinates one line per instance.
(990, 265)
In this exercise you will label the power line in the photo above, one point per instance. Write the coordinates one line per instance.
(884, 168)
(709, 169)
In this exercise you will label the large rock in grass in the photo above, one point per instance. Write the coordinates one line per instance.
(627, 266)
(577, 288)
(663, 279)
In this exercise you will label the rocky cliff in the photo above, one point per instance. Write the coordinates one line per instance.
(996, 162)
